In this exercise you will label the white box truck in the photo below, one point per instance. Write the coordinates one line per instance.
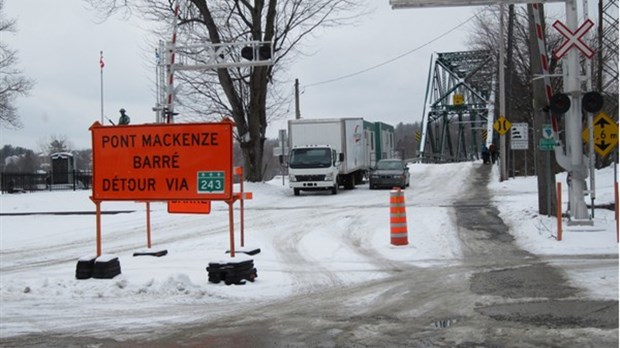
(326, 153)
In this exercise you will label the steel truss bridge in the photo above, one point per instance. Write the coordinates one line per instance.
(458, 107)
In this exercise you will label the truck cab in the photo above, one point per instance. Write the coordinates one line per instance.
(314, 167)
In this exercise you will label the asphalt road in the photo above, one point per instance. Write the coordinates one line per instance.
(497, 296)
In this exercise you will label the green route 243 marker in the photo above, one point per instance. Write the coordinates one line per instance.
(211, 182)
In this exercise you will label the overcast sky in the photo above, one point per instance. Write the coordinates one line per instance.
(58, 43)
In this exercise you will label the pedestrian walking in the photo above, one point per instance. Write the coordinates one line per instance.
(493, 153)
(485, 154)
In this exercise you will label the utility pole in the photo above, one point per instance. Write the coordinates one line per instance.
(509, 69)
(297, 112)
(545, 177)
(502, 95)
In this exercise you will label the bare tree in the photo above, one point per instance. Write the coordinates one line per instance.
(55, 143)
(12, 82)
(520, 71)
(519, 74)
(247, 95)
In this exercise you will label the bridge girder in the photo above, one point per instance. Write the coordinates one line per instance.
(457, 105)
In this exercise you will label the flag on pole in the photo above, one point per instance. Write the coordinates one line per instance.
(101, 63)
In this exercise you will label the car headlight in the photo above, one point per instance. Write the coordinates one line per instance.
(292, 178)
(329, 177)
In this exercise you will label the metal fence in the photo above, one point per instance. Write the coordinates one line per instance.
(29, 182)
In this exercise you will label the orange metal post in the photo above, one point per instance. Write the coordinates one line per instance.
(98, 209)
(239, 171)
(558, 213)
(398, 218)
(231, 223)
(148, 225)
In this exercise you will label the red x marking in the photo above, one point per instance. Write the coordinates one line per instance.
(573, 39)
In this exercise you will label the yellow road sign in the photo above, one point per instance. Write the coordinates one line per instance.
(605, 134)
(502, 125)
(458, 99)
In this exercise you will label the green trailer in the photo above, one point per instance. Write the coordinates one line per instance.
(384, 141)
(379, 139)
(369, 142)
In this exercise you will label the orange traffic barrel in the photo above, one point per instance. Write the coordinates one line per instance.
(398, 218)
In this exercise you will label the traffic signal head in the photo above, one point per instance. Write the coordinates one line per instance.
(264, 52)
(247, 52)
(559, 103)
(592, 102)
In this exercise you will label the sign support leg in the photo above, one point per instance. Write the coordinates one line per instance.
(558, 210)
(241, 205)
(231, 224)
(98, 210)
(148, 225)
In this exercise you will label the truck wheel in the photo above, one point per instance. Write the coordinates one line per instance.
(335, 189)
(296, 191)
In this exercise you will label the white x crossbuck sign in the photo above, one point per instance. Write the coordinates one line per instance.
(574, 39)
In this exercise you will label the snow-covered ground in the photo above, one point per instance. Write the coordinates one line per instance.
(307, 243)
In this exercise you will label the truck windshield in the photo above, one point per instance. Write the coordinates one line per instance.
(310, 158)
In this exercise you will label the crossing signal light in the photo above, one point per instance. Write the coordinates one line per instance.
(592, 102)
(264, 52)
(559, 103)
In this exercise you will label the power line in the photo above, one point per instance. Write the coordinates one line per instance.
(393, 59)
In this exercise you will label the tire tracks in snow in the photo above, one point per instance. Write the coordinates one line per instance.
(297, 264)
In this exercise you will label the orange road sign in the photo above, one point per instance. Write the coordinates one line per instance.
(162, 162)
(189, 207)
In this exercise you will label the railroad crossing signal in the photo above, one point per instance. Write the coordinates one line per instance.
(605, 134)
(502, 125)
(574, 39)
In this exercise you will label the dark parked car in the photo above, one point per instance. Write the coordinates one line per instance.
(389, 173)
